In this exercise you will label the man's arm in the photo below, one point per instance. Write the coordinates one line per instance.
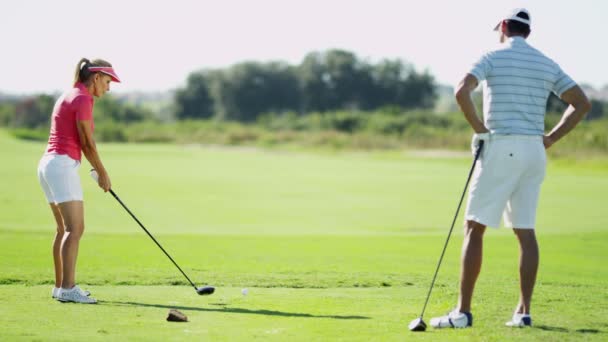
(579, 106)
(463, 97)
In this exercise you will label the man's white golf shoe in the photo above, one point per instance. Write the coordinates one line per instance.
(519, 321)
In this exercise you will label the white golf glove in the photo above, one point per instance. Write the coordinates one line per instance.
(477, 137)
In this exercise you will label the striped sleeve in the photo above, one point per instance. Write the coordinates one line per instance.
(562, 83)
(481, 68)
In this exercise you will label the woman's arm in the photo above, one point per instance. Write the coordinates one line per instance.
(89, 149)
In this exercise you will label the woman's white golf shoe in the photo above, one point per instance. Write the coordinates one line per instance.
(75, 295)
(454, 319)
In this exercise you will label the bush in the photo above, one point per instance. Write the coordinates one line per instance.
(334, 130)
(342, 121)
(40, 134)
(110, 131)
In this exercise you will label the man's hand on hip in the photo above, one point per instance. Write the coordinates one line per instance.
(477, 137)
(548, 141)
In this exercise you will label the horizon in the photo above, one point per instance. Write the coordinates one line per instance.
(158, 50)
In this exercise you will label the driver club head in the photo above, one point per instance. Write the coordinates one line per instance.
(205, 291)
(417, 325)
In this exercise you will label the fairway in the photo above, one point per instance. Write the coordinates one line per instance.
(331, 245)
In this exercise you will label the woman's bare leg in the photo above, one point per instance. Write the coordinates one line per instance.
(57, 244)
(73, 218)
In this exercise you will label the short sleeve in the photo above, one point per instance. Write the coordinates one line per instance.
(481, 68)
(83, 107)
(562, 83)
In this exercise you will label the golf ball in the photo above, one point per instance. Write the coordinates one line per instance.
(244, 292)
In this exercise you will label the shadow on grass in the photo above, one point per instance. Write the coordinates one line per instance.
(587, 331)
(550, 328)
(236, 310)
(564, 330)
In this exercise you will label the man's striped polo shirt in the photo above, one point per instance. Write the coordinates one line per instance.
(518, 80)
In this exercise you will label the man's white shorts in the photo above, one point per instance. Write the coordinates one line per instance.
(507, 180)
(58, 176)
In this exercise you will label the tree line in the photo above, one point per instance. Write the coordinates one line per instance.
(35, 111)
(324, 82)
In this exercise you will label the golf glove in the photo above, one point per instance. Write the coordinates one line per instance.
(477, 137)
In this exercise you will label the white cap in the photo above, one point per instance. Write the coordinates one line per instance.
(513, 16)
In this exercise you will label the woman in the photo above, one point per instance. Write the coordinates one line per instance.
(71, 136)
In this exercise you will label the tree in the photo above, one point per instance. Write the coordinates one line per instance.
(334, 79)
(597, 110)
(109, 108)
(314, 78)
(7, 113)
(417, 91)
(194, 100)
(337, 79)
(249, 89)
(348, 78)
(34, 112)
(398, 84)
(324, 81)
(387, 76)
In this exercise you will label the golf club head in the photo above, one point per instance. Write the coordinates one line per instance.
(205, 291)
(417, 325)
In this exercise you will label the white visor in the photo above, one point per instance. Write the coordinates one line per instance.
(513, 16)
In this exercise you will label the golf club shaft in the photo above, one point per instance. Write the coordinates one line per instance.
(152, 237)
(466, 185)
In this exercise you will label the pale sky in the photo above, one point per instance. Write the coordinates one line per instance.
(155, 44)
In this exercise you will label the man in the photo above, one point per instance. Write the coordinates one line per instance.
(517, 82)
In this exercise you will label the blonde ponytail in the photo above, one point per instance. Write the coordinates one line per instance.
(81, 70)
(82, 73)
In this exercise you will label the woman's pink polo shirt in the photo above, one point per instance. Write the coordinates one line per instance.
(74, 105)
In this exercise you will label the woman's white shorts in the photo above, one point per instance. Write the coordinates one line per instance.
(507, 181)
(59, 178)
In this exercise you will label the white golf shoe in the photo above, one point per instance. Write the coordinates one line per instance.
(55, 293)
(454, 319)
(519, 321)
(75, 295)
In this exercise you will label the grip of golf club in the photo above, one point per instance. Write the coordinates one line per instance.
(479, 148)
(94, 175)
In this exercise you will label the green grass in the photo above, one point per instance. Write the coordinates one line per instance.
(333, 246)
(278, 314)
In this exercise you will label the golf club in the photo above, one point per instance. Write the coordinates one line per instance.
(207, 290)
(418, 324)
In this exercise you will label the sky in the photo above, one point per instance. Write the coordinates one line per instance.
(154, 45)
